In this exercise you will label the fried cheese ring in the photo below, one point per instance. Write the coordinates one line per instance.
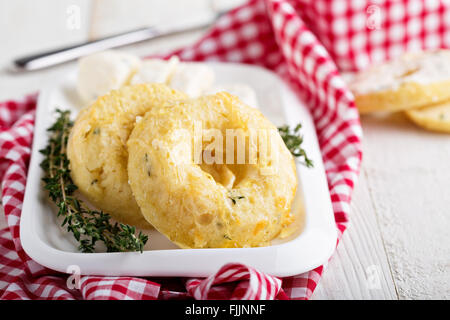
(200, 205)
(97, 147)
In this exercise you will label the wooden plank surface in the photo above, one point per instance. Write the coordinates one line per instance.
(408, 173)
(398, 241)
(115, 16)
(33, 26)
(359, 269)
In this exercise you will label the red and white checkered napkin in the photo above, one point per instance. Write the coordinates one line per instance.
(269, 33)
(357, 33)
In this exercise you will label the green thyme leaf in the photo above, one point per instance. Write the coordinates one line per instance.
(234, 199)
(87, 226)
(293, 141)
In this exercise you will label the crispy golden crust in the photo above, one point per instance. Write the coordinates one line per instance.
(97, 148)
(435, 117)
(407, 96)
(205, 206)
(411, 81)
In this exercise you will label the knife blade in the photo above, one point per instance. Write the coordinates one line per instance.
(60, 55)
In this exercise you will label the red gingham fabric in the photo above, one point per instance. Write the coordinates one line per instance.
(359, 32)
(304, 42)
(252, 285)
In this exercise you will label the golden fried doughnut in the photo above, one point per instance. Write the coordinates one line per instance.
(199, 205)
(97, 147)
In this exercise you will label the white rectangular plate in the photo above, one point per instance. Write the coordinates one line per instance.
(50, 245)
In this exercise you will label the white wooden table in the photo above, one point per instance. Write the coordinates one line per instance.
(398, 242)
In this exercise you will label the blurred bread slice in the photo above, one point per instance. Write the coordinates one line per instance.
(408, 82)
(435, 117)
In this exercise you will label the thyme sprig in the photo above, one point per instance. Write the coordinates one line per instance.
(293, 140)
(87, 226)
(234, 199)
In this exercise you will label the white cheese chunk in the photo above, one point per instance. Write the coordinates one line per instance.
(155, 70)
(104, 71)
(192, 78)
